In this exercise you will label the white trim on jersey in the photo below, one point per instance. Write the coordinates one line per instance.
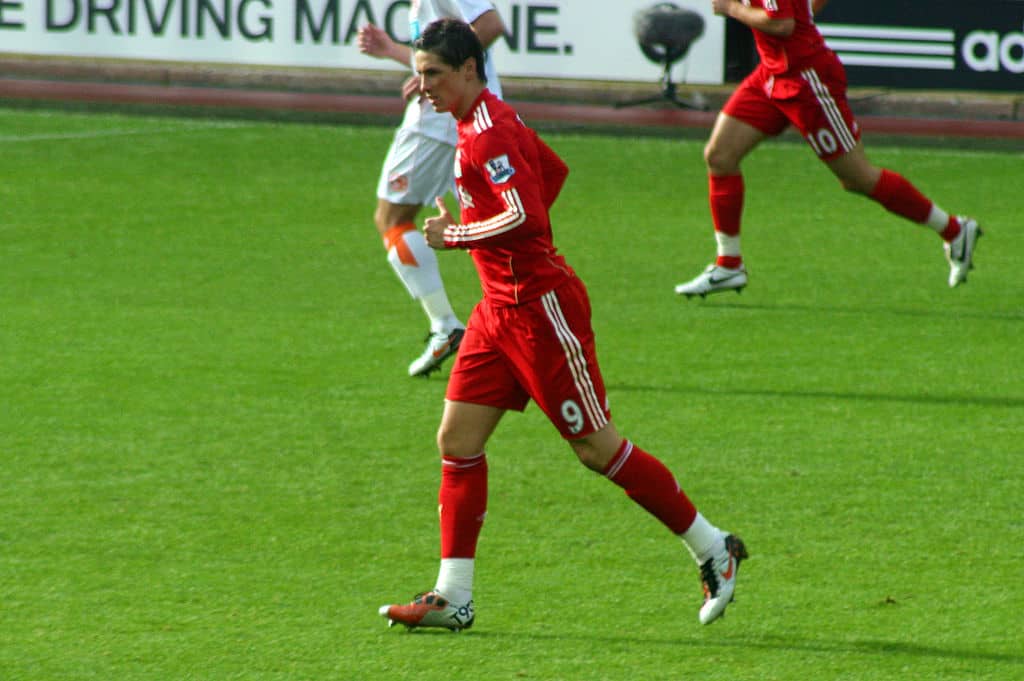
(846, 138)
(499, 224)
(577, 361)
(482, 118)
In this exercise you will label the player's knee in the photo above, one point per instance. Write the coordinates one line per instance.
(453, 442)
(856, 185)
(592, 455)
(382, 220)
(718, 160)
(710, 153)
(589, 459)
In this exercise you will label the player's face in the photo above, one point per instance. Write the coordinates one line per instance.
(446, 88)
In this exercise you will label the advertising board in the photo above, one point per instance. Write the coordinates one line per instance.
(576, 39)
(936, 44)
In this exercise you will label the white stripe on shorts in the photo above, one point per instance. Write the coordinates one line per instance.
(577, 361)
(831, 109)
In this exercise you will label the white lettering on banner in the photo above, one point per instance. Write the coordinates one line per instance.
(987, 51)
(544, 38)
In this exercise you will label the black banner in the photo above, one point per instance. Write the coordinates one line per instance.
(976, 45)
(940, 44)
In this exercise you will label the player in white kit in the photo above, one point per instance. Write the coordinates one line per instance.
(420, 167)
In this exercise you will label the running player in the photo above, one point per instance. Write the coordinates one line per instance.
(418, 168)
(530, 337)
(801, 82)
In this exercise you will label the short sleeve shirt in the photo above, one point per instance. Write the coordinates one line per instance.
(782, 55)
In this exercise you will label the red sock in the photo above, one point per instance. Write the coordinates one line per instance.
(462, 504)
(725, 193)
(649, 483)
(899, 196)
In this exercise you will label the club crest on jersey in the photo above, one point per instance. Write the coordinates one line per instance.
(500, 169)
(398, 182)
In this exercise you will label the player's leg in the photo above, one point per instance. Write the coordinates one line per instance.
(899, 196)
(480, 389)
(648, 482)
(731, 140)
(560, 371)
(462, 506)
(418, 169)
(824, 117)
(745, 121)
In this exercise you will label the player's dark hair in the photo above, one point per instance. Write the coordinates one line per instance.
(454, 42)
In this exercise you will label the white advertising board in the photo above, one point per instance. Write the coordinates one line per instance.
(585, 39)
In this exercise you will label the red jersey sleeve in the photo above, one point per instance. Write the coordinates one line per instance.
(780, 9)
(553, 171)
(515, 207)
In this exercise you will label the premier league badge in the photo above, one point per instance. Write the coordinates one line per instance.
(500, 169)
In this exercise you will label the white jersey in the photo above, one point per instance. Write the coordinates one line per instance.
(419, 114)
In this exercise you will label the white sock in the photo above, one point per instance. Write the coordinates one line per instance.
(423, 281)
(728, 245)
(703, 539)
(422, 276)
(938, 219)
(439, 310)
(455, 580)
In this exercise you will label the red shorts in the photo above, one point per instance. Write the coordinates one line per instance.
(542, 349)
(812, 99)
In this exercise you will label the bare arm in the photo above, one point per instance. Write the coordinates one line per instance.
(375, 41)
(754, 17)
(488, 27)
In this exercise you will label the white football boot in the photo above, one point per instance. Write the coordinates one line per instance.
(713, 280)
(960, 251)
(430, 609)
(718, 577)
(440, 346)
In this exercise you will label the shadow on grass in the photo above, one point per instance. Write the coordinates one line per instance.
(776, 643)
(738, 305)
(952, 400)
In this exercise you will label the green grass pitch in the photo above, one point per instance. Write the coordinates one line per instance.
(213, 467)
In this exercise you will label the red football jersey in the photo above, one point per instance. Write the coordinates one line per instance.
(507, 178)
(779, 55)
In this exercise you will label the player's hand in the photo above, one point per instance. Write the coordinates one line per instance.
(721, 6)
(411, 88)
(373, 40)
(433, 228)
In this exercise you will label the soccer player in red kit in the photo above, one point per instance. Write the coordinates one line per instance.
(530, 337)
(801, 82)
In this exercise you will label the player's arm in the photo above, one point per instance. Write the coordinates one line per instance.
(755, 17)
(375, 41)
(553, 172)
(488, 27)
(513, 183)
(817, 6)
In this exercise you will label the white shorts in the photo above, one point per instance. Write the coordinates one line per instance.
(416, 170)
